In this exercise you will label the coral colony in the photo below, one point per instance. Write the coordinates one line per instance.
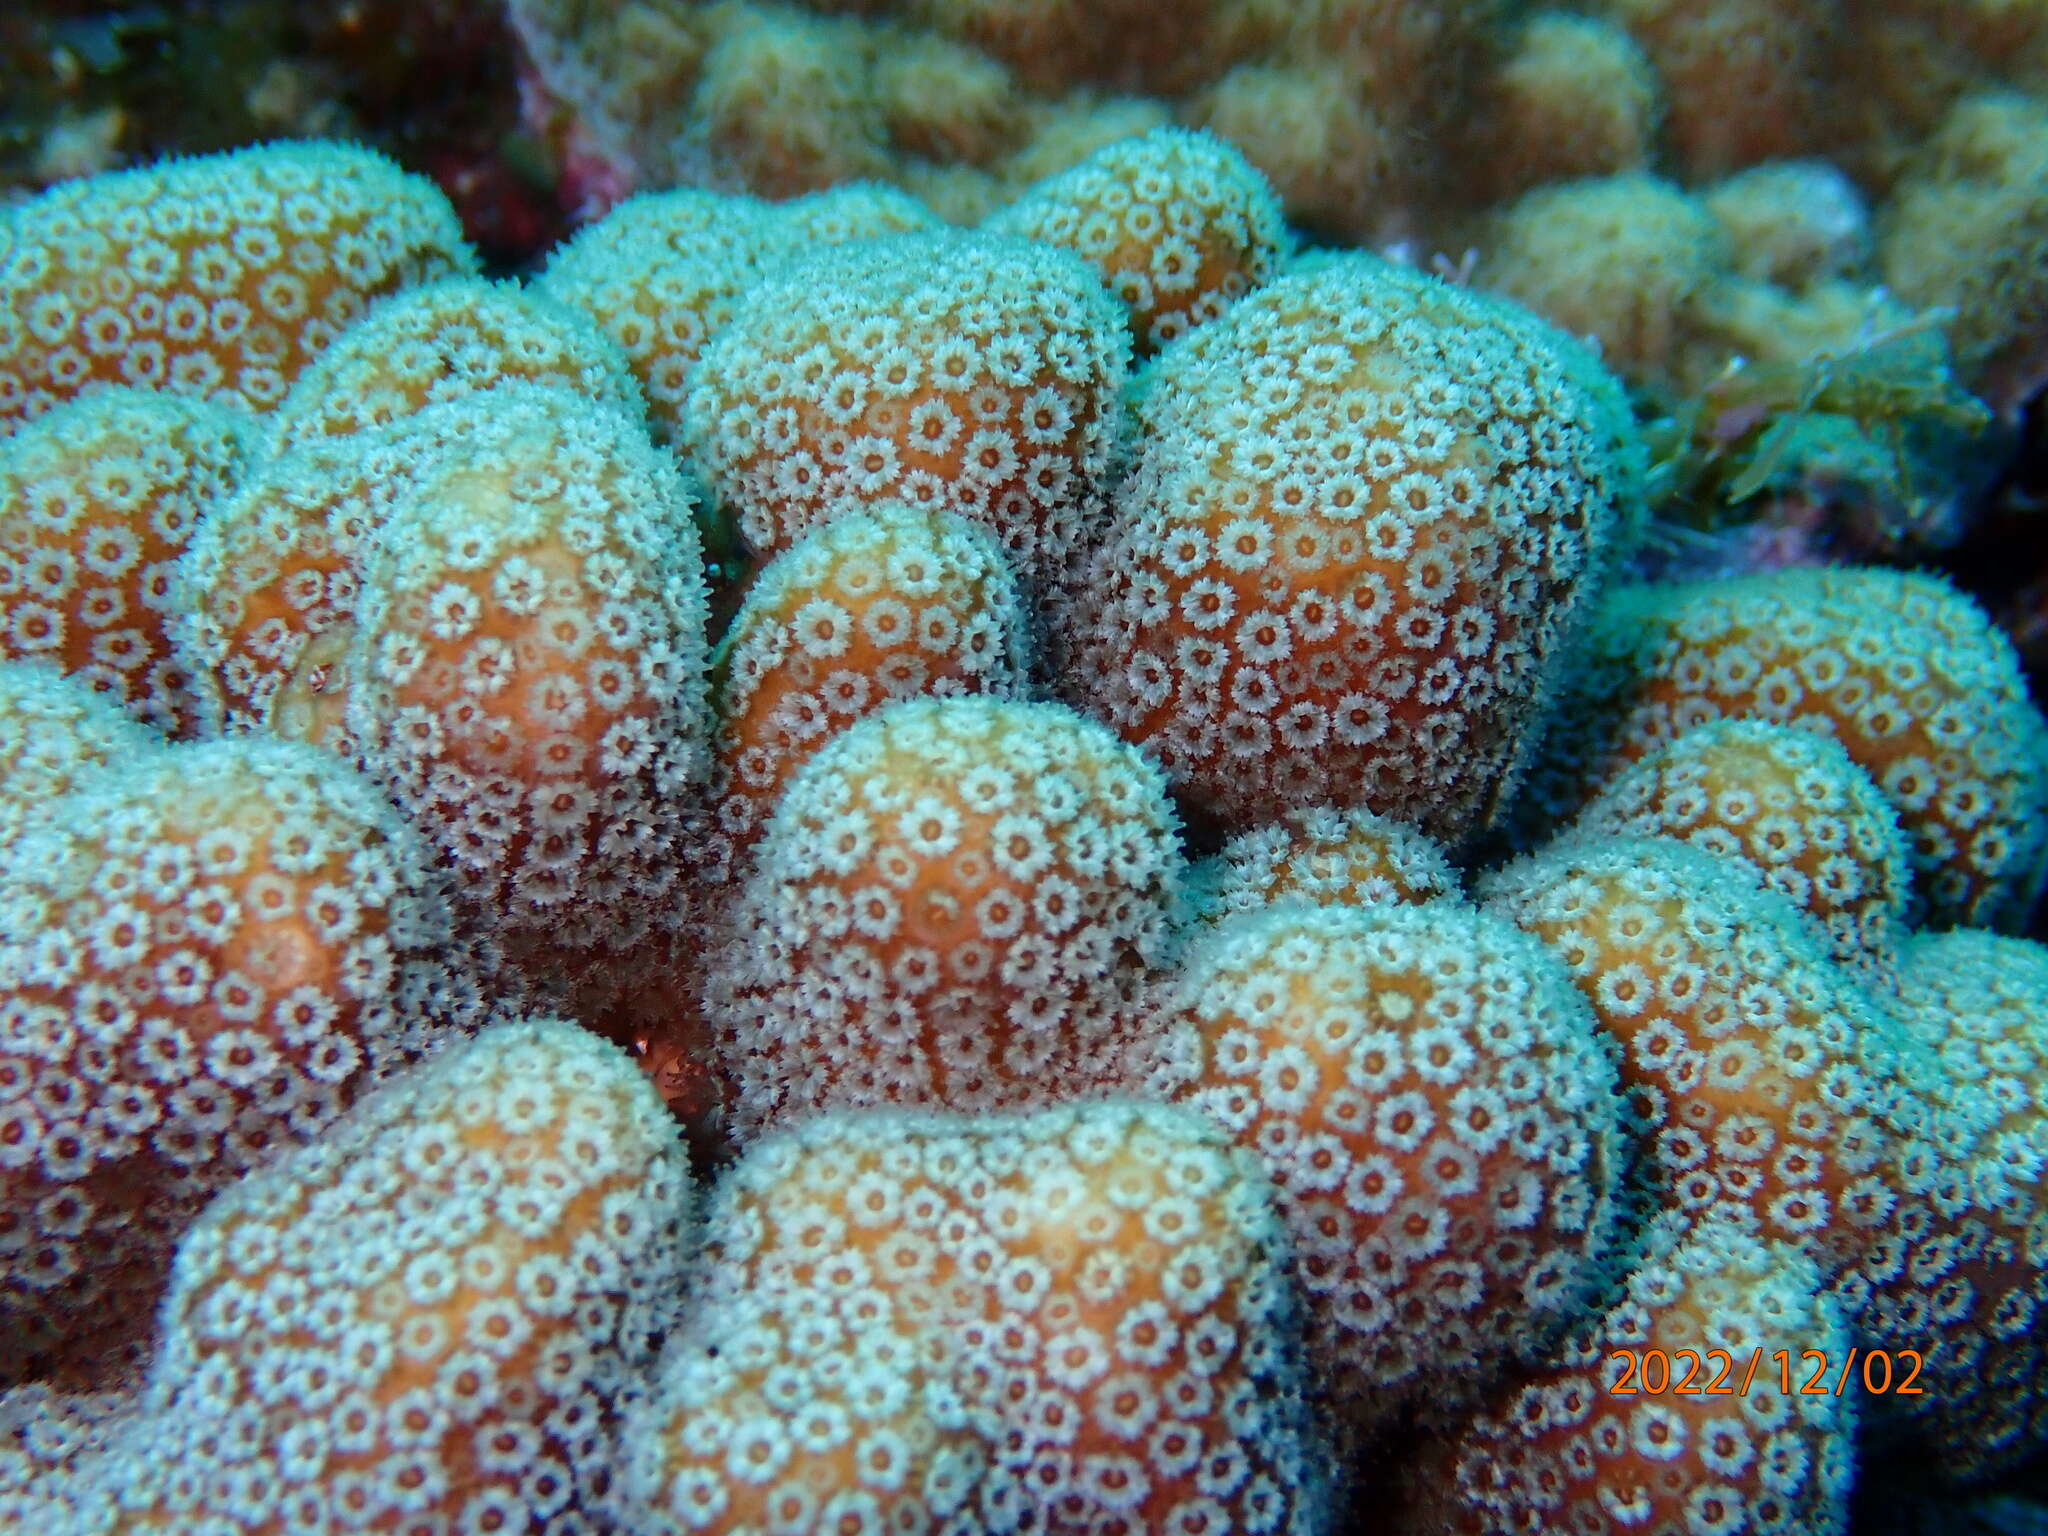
(939, 837)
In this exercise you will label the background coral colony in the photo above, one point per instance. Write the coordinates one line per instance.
(1042, 766)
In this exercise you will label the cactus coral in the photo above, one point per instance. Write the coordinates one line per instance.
(1902, 670)
(1762, 1074)
(1788, 804)
(841, 214)
(956, 905)
(1070, 1320)
(43, 1433)
(784, 105)
(98, 500)
(968, 371)
(947, 103)
(1066, 133)
(430, 1316)
(1056, 43)
(220, 276)
(1178, 225)
(879, 605)
(1440, 1115)
(1767, 53)
(205, 956)
(1297, 1127)
(1345, 104)
(661, 274)
(1359, 529)
(1331, 156)
(273, 576)
(1794, 222)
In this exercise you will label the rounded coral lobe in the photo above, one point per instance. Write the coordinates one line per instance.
(1564, 1450)
(431, 1317)
(55, 736)
(442, 341)
(525, 675)
(273, 577)
(1441, 1116)
(879, 605)
(205, 955)
(1764, 1075)
(1965, 1282)
(663, 273)
(1366, 510)
(1327, 858)
(220, 276)
(1786, 804)
(1904, 671)
(1076, 1319)
(1178, 224)
(100, 500)
(972, 372)
(957, 904)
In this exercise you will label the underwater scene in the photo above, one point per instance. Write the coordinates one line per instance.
(1024, 768)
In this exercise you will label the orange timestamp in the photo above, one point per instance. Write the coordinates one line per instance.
(1804, 1372)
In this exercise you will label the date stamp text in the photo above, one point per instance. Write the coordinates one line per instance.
(1806, 1372)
